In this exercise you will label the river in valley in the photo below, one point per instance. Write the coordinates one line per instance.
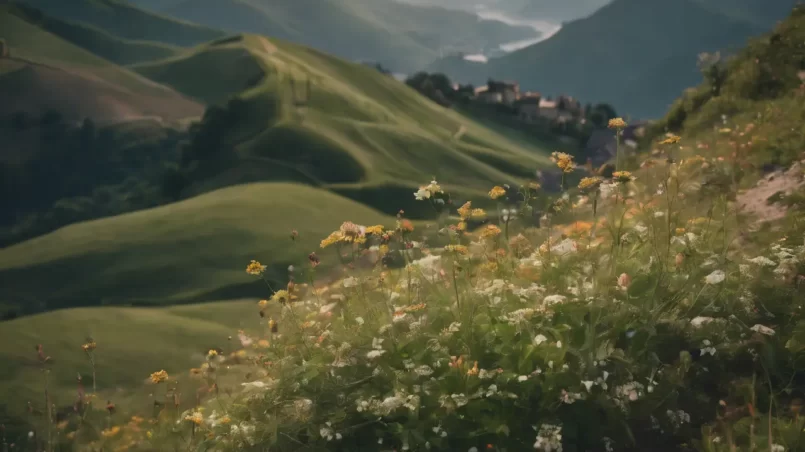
(544, 31)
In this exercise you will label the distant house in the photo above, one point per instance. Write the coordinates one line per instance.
(482, 94)
(509, 91)
(570, 105)
(528, 107)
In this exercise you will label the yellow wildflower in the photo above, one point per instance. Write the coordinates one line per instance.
(212, 353)
(89, 346)
(725, 130)
(622, 176)
(262, 343)
(282, 296)
(590, 183)
(497, 192)
(225, 420)
(332, 239)
(110, 432)
(465, 211)
(564, 161)
(616, 123)
(671, 139)
(474, 371)
(534, 185)
(478, 213)
(680, 231)
(262, 303)
(195, 418)
(159, 377)
(255, 268)
(461, 226)
(374, 230)
(383, 250)
(458, 249)
(490, 231)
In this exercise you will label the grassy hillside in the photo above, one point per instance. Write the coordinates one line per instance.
(359, 131)
(46, 72)
(191, 250)
(628, 42)
(755, 87)
(103, 44)
(122, 19)
(132, 343)
(659, 316)
(402, 37)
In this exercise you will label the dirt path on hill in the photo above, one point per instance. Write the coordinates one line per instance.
(754, 200)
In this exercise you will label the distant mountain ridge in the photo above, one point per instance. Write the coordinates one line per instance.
(643, 52)
(402, 37)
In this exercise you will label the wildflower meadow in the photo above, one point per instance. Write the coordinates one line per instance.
(629, 313)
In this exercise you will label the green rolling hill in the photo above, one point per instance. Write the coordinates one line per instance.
(362, 136)
(359, 130)
(101, 43)
(45, 72)
(259, 165)
(174, 339)
(124, 20)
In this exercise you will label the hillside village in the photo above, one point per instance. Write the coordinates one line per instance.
(562, 116)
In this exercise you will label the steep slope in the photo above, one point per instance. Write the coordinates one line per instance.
(127, 21)
(45, 73)
(629, 43)
(402, 37)
(761, 88)
(358, 129)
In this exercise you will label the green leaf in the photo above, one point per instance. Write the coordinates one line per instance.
(641, 285)
(797, 342)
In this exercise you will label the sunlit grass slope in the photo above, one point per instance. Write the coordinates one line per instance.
(359, 130)
(191, 250)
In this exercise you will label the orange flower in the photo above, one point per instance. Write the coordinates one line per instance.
(497, 192)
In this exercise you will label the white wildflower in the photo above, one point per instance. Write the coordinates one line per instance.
(707, 347)
(549, 438)
(762, 261)
(758, 328)
(697, 322)
(716, 277)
